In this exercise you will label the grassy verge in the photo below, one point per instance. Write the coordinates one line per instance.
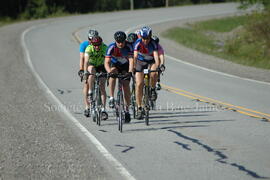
(241, 39)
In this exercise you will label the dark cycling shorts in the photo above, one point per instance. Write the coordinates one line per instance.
(98, 69)
(122, 69)
(141, 65)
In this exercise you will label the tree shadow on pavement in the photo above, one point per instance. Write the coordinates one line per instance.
(221, 157)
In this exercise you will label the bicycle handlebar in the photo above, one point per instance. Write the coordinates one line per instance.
(117, 75)
(148, 71)
(97, 75)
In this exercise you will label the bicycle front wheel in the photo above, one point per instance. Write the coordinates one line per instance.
(133, 104)
(146, 117)
(98, 117)
(146, 105)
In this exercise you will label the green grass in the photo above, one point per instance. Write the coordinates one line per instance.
(191, 38)
(242, 48)
(222, 25)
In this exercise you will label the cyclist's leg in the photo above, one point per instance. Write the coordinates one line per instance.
(103, 98)
(153, 81)
(86, 102)
(91, 69)
(101, 69)
(139, 81)
(123, 70)
(126, 89)
(153, 75)
(85, 94)
(112, 82)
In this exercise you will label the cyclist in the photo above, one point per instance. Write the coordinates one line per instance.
(145, 54)
(119, 59)
(161, 57)
(132, 38)
(83, 46)
(138, 32)
(94, 62)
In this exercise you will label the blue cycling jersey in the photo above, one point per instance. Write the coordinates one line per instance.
(145, 52)
(119, 55)
(131, 44)
(83, 46)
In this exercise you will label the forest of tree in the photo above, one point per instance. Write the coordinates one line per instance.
(32, 9)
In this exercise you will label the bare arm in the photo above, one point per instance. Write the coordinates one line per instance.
(107, 64)
(131, 64)
(157, 62)
(135, 58)
(162, 59)
(81, 61)
(86, 59)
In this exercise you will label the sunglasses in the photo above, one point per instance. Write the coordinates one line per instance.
(146, 38)
(120, 42)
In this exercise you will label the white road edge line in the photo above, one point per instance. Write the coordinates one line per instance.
(214, 71)
(122, 170)
(190, 64)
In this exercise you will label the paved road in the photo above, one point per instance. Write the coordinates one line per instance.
(186, 139)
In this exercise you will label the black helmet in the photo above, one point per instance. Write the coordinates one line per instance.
(92, 33)
(132, 37)
(156, 39)
(120, 36)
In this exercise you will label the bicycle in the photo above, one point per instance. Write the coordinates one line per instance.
(133, 97)
(146, 93)
(95, 100)
(119, 103)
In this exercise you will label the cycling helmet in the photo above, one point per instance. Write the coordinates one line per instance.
(96, 41)
(120, 36)
(92, 33)
(132, 37)
(146, 32)
(138, 32)
(156, 39)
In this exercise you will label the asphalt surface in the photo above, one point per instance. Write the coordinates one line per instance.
(185, 140)
(36, 143)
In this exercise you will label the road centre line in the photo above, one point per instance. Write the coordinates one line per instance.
(240, 109)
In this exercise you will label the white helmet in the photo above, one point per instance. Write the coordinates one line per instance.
(92, 33)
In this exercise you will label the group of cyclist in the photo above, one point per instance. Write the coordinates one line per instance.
(127, 55)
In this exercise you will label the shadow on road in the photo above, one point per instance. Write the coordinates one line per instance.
(221, 157)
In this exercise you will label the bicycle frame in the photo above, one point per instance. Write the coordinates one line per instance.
(119, 105)
(146, 100)
(96, 103)
(133, 98)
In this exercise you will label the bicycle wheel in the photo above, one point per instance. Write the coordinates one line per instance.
(98, 105)
(94, 115)
(120, 122)
(133, 105)
(146, 117)
(133, 98)
(153, 105)
(93, 104)
(98, 117)
(120, 111)
(146, 105)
